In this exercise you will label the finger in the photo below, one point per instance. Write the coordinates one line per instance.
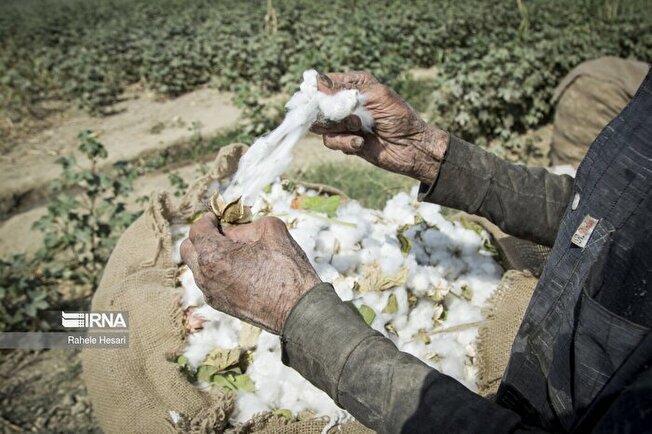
(189, 255)
(206, 226)
(331, 82)
(247, 233)
(347, 143)
(349, 124)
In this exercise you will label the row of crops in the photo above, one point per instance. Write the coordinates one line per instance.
(499, 62)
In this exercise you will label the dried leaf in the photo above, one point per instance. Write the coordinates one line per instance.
(392, 305)
(406, 245)
(375, 280)
(439, 311)
(467, 292)
(423, 336)
(249, 335)
(223, 359)
(434, 357)
(391, 328)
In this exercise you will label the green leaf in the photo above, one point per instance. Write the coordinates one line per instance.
(368, 314)
(323, 204)
(222, 382)
(182, 361)
(243, 382)
(283, 412)
(205, 372)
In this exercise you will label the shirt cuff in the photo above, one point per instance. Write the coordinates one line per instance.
(463, 178)
(320, 334)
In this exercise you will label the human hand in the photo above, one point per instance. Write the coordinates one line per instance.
(400, 142)
(255, 272)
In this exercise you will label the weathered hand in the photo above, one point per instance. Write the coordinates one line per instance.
(255, 272)
(400, 142)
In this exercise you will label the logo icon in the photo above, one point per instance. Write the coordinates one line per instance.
(94, 320)
(73, 320)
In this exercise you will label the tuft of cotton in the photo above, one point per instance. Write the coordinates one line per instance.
(271, 155)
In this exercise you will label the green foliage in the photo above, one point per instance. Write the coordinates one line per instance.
(86, 213)
(178, 184)
(323, 204)
(368, 185)
(25, 291)
(85, 216)
(499, 60)
(506, 90)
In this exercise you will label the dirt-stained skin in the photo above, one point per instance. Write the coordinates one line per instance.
(400, 142)
(256, 272)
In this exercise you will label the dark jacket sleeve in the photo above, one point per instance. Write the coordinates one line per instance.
(328, 343)
(526, 202)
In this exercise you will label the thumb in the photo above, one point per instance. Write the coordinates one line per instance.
(347, 143)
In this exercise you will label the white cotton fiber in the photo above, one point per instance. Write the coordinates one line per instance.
(192, 295)
(270, 155)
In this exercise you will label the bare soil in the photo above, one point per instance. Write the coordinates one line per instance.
(141, 125)
(41, 391)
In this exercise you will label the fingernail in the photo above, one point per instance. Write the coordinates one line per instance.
(325, 79)
(357, 143)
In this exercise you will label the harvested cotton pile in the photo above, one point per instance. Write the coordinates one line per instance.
(416, 277)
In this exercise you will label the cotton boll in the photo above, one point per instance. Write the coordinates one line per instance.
(246, 406)
(268, 342)
(306, 240)
(345, 263)
(326, 241)
(326, 272)
(399, 209)
(338, 106)
(178, 233)
(344, 287)
(466, 240)
(419, 282)
(435, 240)
(431, 214)
(348, 235)
(192, 295)
(391, 259)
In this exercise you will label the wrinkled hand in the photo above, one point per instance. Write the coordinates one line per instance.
(400, 142)
(255, 272)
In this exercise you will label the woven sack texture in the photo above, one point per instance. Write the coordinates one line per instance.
(587, 99)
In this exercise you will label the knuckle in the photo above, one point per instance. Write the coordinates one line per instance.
(275, 223)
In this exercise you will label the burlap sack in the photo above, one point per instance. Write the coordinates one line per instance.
(134, 389)
(504, 313)
(587, 99)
